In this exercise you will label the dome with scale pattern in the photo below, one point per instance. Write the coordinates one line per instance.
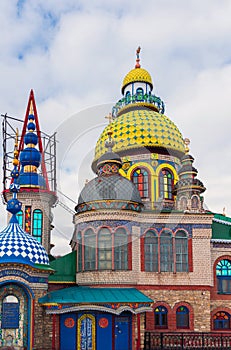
(137, 75)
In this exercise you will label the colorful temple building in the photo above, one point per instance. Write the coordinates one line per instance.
(147, 257)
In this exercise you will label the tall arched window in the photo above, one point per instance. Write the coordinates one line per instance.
(151, 251)
(223, 273)
(80, 251)
(140, 180)
(121, 249)
(221, 320)
(182, 317)
(183, 203)
(195, 202)
(89, 250)
(128, 97)
(166, 182)
(19, 216)
(161, 317)
(181, 244)
(37, 224)
(166, 252)
(104, 249)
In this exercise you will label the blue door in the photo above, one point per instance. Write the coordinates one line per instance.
(122, 329)
(68, 332)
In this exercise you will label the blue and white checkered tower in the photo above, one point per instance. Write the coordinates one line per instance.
(17, 246)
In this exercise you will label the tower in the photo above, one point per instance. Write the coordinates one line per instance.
(36, 196)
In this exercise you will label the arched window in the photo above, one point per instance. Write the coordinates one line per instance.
(161, 317)
(151, 251)
(223, 273)
(183, 203)
(10, 306)
(139, 94)
(166, 182)
(38, 224)
(80, 251)
(19, 216)
(121, 249)
(104, 249)
(221, 320)
(181, 244)
(195, 202)
(128, 97)
(166, 252)
(140, 180)
(89, 250)
(182, 317)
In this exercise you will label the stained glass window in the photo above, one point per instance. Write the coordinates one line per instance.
(28, 219)
(38, 224)
(181, 244)
(128, 97)
(121, 249)
(104, 249)
(166, 252)
(20, 218)
(139, 94)
(223, 273)
(151, 251)
(161, 317)
(89, 250)
(140, 180)
(221, 320)
(182, 317)
(166, 182)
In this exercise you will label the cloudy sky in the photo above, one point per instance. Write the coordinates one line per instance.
(74, 54)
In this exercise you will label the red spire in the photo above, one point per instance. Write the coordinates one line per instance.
(138, 57)
(31, 109)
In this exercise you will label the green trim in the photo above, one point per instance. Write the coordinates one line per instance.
(65, 269)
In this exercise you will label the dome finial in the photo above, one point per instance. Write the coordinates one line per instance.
(186, 144)
(138, 57)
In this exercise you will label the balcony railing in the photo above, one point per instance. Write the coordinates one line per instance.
(136, 98)
(187, 341)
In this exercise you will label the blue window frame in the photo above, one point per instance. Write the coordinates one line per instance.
(223, 273)
(161, 317)
(37, 224)
(182, 317)
(121, 249)
(19, 216)
(181, 244)
(221, 320)
(139, 94)
(89, 250)
(166, 252)
(151, 251)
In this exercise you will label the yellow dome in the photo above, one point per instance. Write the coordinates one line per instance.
(137, 74)
(141, 128)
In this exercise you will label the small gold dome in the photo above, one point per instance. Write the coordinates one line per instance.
(142, 128)
(137, 75)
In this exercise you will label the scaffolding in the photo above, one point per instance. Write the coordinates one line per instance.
(9, 127)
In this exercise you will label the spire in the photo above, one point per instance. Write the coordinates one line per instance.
(138, 57)
(30, 156)
(13, 205)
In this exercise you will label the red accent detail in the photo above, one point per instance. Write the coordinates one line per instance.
(53, 331)
(69, 322)
(138, 332)
(103, 322)
(21, 144)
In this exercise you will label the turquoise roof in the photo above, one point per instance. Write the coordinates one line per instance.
(221, 228)
(90, 295)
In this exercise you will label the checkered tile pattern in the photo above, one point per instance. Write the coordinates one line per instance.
(19, 246)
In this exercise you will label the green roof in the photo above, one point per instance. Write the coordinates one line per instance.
(221, 227)
(90, 295)
(65, 269)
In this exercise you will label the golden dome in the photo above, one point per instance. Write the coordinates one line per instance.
(141, 128)
(135, 75)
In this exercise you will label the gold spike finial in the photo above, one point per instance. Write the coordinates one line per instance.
(15, 160)
(186, 144)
